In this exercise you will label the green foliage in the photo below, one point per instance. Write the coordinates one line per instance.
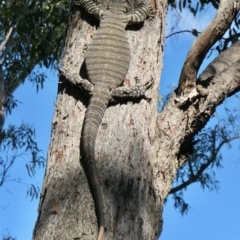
(206, 158)
(9, 238)
(38, 39)
(6, 235)
(16, 143)
(192, 5)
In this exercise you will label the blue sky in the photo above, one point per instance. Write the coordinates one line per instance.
(212, 215)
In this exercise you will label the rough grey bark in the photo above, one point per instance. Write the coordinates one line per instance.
(138, 151)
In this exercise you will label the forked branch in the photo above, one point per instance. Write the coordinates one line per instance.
(226, 13)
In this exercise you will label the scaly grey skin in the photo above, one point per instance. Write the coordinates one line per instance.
(107, 63)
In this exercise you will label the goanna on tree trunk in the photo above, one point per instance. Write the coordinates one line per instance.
(125, 145)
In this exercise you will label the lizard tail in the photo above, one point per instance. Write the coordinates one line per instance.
(92, 121)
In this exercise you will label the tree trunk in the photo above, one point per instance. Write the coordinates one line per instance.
(126, 148)
(138, 151)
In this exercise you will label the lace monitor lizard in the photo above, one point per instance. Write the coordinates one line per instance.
(107, 62)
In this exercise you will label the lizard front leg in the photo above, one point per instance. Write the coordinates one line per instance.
(90, 7)
(141, 15)
(74, 78)
(136, 91)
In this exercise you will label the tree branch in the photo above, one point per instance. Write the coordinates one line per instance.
(221, 79)
(226, 13)
(195, 177)
(4, 47)
(194, 32)
(176, 127)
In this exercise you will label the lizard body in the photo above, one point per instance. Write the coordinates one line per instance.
(107, 62)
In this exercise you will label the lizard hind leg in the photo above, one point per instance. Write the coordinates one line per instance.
(136, 91)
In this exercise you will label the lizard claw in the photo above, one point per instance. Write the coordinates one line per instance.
(101, 15)
(149, 83)
(151, 13)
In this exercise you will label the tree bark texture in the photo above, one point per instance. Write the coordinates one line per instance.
(138, 151)
(125, 147)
